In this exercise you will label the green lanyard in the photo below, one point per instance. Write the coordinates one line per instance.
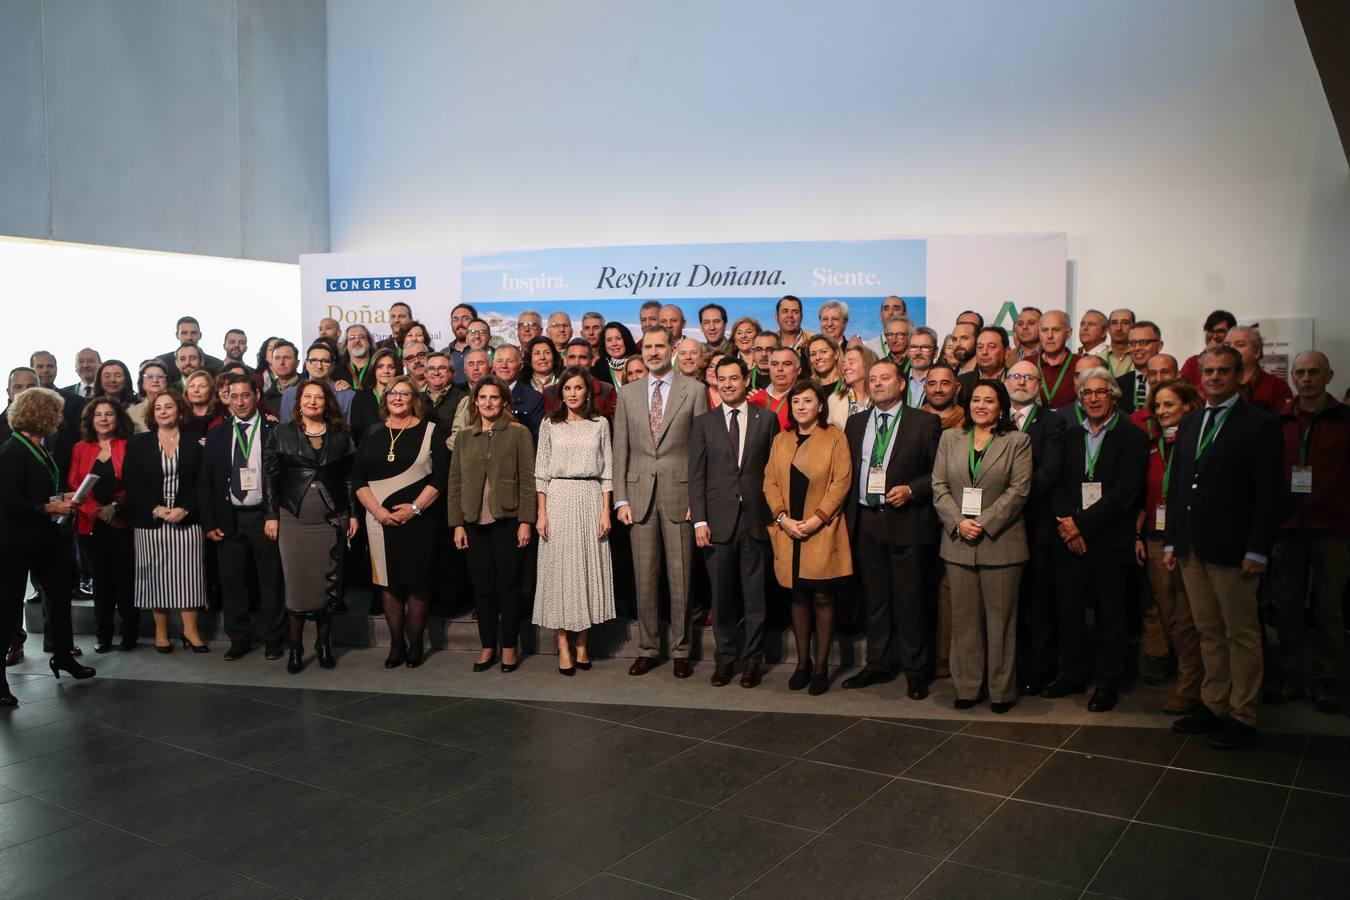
(1307, 433)
(882, 442)
(359, 374)
(1208, 438)
(976, 462)
(754, 378)
(1051, 393)
(245, 445)
(1167, 465)
(1087, 447)
(1031, 416)
(42, 456)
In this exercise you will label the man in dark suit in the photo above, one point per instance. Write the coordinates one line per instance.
(728, 452)
(1223, 507)
(230, 500)
(527, 404)
(890, 521)
(87, 362)
(1095, 502)
(1038, 613)
(188, 331)
(1145, 343)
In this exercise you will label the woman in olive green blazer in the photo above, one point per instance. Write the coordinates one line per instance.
(981, 480)
(490, 503)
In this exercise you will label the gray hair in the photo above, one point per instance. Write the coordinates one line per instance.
(1102, 373)
(529, 312)
(834, 304)
(906, 319)
(928, 332)
(1255, 334)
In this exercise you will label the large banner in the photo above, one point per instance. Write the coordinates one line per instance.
(938, 276)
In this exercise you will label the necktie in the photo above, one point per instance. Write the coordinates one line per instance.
(656, 411)
(1210, 418)
(734, 430)
(1140, 390)
(86, 391)
(878, 453)
(240, 463)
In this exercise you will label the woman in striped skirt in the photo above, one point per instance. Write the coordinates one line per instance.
(160, 474)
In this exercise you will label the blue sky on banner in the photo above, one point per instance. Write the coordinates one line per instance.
(746, 278)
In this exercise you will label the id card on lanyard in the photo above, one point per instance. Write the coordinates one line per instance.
(1300, 478)
(1091, 488)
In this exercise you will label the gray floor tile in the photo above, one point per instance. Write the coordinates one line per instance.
(878, 746)
(979, 764)
(1147, 745)
(1326, 766)
(611, 887)
(386, 710)
(814, 872)
(102, 752)
(1042, 842)
(26, 818)
(1097, 784)
(1273, 758)
(28, 715)
(791, 734)
(499, 871)
(1305, 877)
(1317, 823)
(955, 880)
(700, 724)
(707, 774)
(30, 743)
(615, 755)
(1153, 863)
(713, 856)
(1226, 807)
(1035, 733)
(609, 712)
(303, 699)
(920, 818)
(504, 730)
(102, 794)
(806, 794)
(510, 800)
(264, 746)
(247, 889)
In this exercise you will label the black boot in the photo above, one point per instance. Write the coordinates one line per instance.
(297, 659)
(324, 645)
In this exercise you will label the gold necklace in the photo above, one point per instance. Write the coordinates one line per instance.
(393, 439)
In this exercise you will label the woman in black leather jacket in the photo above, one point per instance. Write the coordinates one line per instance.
(311, 510)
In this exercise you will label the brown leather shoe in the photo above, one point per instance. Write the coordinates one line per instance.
(1180, 706)
(683, 669)
(14, 656)
(750, 676)
(642, 665)
(721, 676)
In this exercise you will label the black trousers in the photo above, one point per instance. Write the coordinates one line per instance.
(893, 596)
(53, 571)
(494, 566)
(736, 579)
(110, 555)
(1081, 586)
(1038, 614)
(234, 552)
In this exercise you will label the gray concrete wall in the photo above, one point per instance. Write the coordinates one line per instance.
(192, 127)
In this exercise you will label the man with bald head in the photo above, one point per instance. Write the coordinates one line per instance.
(87, 362)
(1054, 361)
(1092, 333)
(1312, 547)
(1259, 387)
(1161, 369)
(671, 318)
(559, 329)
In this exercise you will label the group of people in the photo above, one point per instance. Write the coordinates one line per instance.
(969, 499)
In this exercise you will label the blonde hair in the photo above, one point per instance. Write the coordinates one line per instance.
(36, 411)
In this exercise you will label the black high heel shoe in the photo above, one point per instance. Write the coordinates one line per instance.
(164, 648)
(489, 663)
(70, 667)
(325, 654)
(415, 659)
(196, 648)
(511, 667)
(583, 666)
(296, 661)
(398, 654)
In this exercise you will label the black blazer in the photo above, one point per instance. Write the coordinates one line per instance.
(1122, 469)
(912, 458)
(25, 486)
(213, 487)
(1129, 383)
(61, 444)
(720, 493)
(1047, 432)
(527, 405)
(1227, 504)
(291, 465)
(143, 477)
(365, 414)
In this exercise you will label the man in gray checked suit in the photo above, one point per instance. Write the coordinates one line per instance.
(651, 493)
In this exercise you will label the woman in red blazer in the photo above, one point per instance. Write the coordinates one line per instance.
(105, 537)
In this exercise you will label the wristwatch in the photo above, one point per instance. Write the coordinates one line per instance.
(416, 510)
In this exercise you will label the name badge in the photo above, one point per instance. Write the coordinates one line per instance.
(876, 480)
(55, 498)
(248, 479)
(1092, 492)
(1300, 481)
(1160, 517)
(972, 501)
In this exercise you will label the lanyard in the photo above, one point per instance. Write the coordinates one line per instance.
(1087, 447)
(1214, 425)
(1167, 465)
(882, 442)
(245, 445)
(359, 375)
(1031, 417)
(976, 462)
(1307, 433)
(1051, 393)
(42, 456)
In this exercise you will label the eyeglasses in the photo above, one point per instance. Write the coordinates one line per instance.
(921, 348)
(431, 369)
(1141, 342)
(399, 395)
(422, 355)
(1095, 392)
(1024, 378)
(477, 331)
(318, 361)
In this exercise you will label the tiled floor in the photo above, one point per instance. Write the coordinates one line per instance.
(113, 788)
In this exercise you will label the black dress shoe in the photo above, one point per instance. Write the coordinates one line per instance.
(1202, 721)
(1002, 706)
(918, 688)
(751, 676)
(1234, 735)
(1103, 700)
(416, 656)
(867, 678)
(682, 668)
(296, 661)
(397, 656)
(721, 676)
(1063, 687)
(128, 642)
(103, 647)
(820, 683)
(489, 663)
(642, 665)
(272, 651)
(960, 703)
(236, 651)
(801, 677)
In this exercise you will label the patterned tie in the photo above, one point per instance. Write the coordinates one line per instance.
(656, 411)
(87, 391)
(734, 430)
(1140, 390)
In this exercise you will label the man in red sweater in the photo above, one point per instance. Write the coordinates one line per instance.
(1259, 387)
(1054, 362)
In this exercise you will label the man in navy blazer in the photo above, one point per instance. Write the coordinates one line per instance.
(728, 453)
(1223, 507)
(230, 499)
(527, 404)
